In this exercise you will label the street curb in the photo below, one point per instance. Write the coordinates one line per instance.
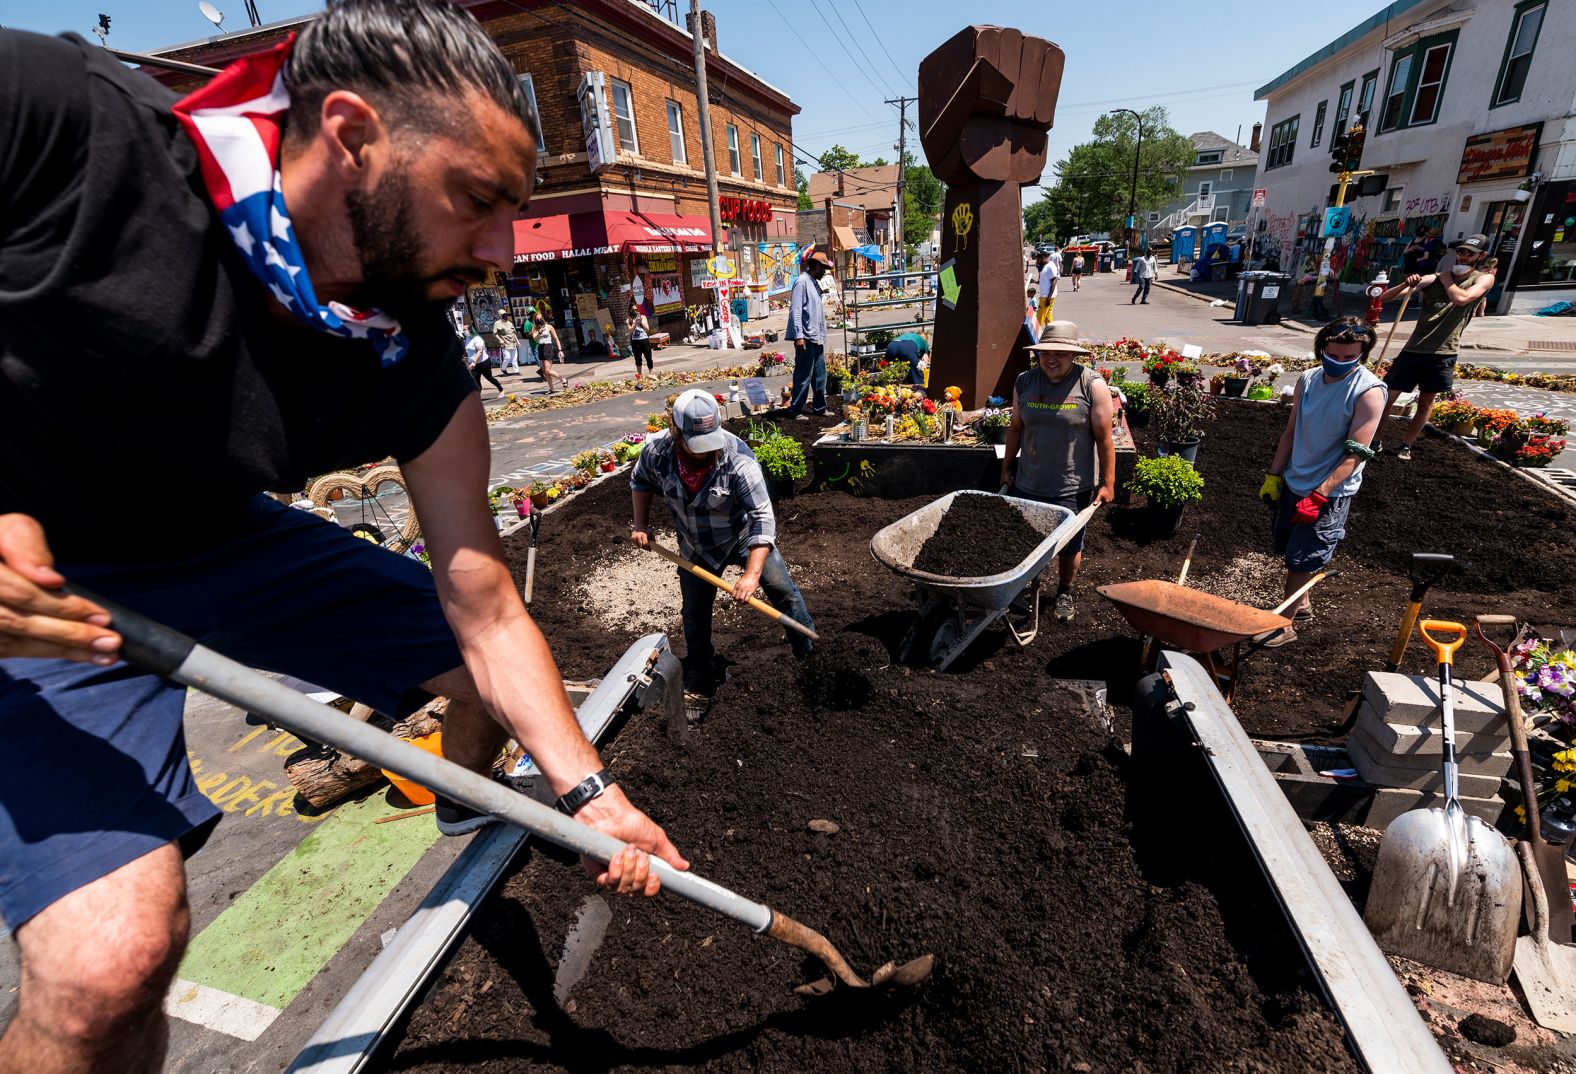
(1291, 326)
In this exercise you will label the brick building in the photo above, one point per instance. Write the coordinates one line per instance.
(620, 213)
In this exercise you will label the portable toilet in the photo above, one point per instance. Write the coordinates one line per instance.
(1184, 244)
(1214, 235)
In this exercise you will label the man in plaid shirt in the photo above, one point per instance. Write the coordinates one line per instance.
(717, 495)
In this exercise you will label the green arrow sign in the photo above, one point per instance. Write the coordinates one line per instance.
(950, 287)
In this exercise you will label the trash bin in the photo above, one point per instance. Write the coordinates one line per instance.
(1260, 297)
(1105, 262)
(1247, 286)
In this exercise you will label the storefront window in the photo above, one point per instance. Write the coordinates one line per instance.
(1550, 253)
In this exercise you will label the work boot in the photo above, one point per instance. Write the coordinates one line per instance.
(1404, 453)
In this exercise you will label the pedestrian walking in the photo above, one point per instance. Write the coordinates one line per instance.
(545, 333)
(639, 337)
(508, 344)
(1078, 270)
(1143, 276)
(807, 329)
(716, 494)
(479, 361)
(1048, 273)
(252, 322)
(1318, 463)
(1446, 305)
(1060, 448)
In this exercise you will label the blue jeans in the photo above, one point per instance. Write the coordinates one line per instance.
(699, 598)
(809, 369)
(1141, 290)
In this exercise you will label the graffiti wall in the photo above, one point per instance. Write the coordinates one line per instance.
(1370, 245)
(778, 264)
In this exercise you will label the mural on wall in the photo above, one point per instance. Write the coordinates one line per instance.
(778, 264)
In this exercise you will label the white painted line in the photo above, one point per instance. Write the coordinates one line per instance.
(234, 1016)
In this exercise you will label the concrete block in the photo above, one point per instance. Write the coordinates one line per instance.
(1413, 700)
(1468, 764)
(1408, 739)
(1376, 770)
(1390, 802)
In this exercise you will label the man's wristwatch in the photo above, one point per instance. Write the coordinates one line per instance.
(581, 794)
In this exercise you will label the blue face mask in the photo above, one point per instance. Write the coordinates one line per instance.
(1336, 369)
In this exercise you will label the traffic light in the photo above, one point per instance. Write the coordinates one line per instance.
(1354, 147)
(1338, 148)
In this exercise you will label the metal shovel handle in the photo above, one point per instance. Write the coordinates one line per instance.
(156, 648)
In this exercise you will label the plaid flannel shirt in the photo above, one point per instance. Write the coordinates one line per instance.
(730, 512)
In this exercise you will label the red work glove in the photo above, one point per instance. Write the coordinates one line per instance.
(1306, 513)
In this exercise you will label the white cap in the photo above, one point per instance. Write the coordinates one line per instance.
(698, 420)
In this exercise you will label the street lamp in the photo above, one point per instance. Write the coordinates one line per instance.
(1132, 194)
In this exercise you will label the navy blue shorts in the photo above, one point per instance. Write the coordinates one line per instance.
(1308, 548)
(93, 770)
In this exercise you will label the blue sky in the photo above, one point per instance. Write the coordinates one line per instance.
(1202, 62)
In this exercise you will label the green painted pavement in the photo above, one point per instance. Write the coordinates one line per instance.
(278, 935)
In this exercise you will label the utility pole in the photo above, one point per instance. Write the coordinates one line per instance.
(902, 146)
(703, 116)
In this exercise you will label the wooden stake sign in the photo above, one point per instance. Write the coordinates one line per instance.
(986, 101)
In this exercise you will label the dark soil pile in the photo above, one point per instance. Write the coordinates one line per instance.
(977, 537)
(982, 816)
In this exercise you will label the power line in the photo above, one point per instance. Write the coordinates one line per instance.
(861, 9)
(872, 63)
(840, 44)
(812, 52)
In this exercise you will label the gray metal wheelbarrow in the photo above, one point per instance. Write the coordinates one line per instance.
(954, 611)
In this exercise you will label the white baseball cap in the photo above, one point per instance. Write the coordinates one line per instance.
(698, 419)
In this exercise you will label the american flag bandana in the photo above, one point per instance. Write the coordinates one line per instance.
(235, 122)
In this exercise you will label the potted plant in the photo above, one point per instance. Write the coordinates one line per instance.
(606, 462)
(782, 461)
(1454, 415)
(1238, 377)
(1168, 484)
(1186, 373)
(1491, 421)
(1160, 365)
(499, 496)
(626, 449)
(657, 422)
(994, 423)
(586, 462)
(539, 493)
(1217, 384)
(1139, 399)
(1178, 417)
(757, 433)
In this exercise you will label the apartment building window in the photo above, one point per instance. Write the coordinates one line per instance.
(1365, 99)
(1283, 142)
(1225, 174)
(733, 149)
(1391, 203)
(1318, 125)
(1343, 107)
(782, 175)
(624, 116)
(536, 113)
(676, 133)
(1205, 189)
(1222, 214)
(1417, 83)
(1518, 51)
(1212, 157)
(755, 155)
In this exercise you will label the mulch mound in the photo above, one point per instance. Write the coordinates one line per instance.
(978, 537)
(983, 814)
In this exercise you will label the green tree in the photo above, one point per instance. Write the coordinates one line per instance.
(1039, 224)
(802, 185)
(1095, 180)
(923, 197)
(839, 159)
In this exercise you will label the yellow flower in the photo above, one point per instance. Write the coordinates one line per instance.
(1562, 785)
(554, 492)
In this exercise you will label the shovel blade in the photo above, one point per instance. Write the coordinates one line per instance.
(1546, 972)
(1456, 913)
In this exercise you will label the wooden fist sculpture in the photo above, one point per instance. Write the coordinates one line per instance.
(986, 101)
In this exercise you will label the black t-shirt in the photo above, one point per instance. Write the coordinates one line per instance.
(146, 389)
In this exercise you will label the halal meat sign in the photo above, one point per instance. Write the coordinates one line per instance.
(745, 209)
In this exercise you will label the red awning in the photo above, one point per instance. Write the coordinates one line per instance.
(550, 238)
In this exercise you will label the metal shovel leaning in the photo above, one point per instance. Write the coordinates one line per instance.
(1446, 888)
(156, 648)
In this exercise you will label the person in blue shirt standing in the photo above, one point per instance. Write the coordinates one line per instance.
(1318, 464)
(807, 329)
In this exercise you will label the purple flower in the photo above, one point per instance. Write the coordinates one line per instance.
(1556, 680)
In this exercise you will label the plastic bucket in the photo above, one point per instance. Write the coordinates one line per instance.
(418, 794)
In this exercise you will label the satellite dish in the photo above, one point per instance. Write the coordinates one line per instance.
(212, 14)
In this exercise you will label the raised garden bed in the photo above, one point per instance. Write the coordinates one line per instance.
(983, 812)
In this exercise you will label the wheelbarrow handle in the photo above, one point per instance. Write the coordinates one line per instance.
(159, 649)
(1302, 591)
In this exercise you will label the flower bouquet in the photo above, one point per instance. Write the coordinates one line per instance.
(1454, 415)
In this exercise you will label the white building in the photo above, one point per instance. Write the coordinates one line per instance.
(1472, 116)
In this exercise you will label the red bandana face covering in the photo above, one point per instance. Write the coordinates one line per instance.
(691, 476)
(236, 123)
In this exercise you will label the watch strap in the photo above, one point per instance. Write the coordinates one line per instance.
(581, 794)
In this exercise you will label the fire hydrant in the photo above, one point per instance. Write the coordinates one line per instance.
(1375, 307)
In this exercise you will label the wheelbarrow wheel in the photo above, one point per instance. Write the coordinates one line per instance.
(946, 634)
